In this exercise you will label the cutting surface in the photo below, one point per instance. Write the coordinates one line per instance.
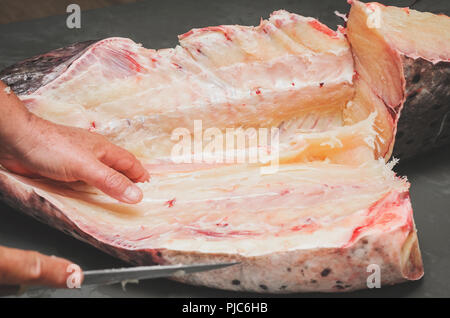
(156, 24)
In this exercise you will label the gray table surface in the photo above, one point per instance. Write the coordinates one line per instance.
(156, 24)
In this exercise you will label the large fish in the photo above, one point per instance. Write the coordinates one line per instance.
(331, 214)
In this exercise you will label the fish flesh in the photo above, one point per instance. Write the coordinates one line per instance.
(402, 56)
(331, 211)
(311, 227)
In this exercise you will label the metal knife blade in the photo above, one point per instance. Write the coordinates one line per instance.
(116, 275)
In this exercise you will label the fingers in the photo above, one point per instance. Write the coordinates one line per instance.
(121, 160)
(110, 182)
(19, 267)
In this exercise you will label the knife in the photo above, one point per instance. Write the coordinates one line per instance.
(117, 275)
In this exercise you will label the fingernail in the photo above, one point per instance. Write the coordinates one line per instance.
(36, 268)
(132, 194)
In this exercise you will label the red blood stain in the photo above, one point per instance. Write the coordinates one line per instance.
(185, 35)
(298, 227)
(310, 226)
(222, 224)
(342, 29)
(227, 36)
(293, 84)
(177, 66)
(258, 92)
(378, 214)
(129, 52)
(278, 23)
(217, 29)
(322, 28)
(171, 203)
(134, 63)
(93, 125)
(143, 238)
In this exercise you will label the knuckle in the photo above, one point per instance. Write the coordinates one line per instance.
(114, 181)
(100, 150)
(34, 266)
(79, 168)
(128, 163)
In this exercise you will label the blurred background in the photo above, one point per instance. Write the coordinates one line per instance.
(21, 10)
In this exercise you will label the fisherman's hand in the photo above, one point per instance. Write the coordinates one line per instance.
(30, 146)
(27, 268)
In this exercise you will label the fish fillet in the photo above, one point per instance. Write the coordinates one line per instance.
(333, 208)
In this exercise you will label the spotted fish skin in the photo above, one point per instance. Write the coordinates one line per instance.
(27, 76)
(424, 122)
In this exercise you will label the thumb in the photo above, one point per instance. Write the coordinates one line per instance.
(110, 182)
(18, 267)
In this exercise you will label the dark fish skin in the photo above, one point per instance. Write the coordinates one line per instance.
(27, 76)
(424, 122)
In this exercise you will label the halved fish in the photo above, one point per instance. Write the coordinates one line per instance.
(333, 208)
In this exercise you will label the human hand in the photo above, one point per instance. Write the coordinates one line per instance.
(30, 145)
(27, 268)
(72, 154)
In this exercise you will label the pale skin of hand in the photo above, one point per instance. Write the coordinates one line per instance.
(32, 146)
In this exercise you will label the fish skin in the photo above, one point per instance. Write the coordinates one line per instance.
(424, 122)
(417, 73)
(27, 76)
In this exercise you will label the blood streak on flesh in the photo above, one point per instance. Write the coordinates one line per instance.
(171, 203)
(322, 28)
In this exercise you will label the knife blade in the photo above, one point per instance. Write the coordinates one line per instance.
(116, 275)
